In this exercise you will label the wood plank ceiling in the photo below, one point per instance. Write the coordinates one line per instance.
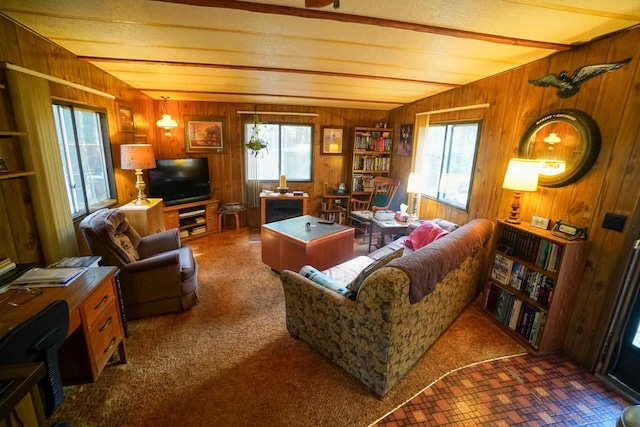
(373, 54)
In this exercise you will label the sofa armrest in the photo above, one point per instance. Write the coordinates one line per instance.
(159, 242)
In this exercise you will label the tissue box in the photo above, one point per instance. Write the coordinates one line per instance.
(402, 216)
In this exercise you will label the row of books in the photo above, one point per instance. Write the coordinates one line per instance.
(371, 163)
(520, 244)
(536, 285)
(373, 141)
(362, 183)
(519, 316)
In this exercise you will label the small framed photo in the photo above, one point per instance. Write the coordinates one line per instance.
(204, 134)
(406, 138)
(3, 166)
(332, 140)
(125, 118)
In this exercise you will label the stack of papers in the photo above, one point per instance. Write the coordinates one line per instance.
(43, 277)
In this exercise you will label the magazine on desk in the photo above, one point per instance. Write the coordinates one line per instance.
(49, 277)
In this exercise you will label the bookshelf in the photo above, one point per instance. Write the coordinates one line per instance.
(371, 157)
(532, 284)
(335, 208)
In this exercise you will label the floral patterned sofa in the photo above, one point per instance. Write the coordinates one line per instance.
(380, 335)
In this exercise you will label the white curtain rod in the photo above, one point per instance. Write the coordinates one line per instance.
(57, 80)
(449, 110)
(279, 113)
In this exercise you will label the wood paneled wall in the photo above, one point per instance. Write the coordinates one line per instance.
(613, 100)
(226, 169)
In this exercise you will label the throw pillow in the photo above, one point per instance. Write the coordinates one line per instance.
(425, 234)
(355, 285)
(123, 243)
(321, 279)
(447, 225)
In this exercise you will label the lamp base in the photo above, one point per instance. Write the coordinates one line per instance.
(283, 190)
(140, 186)
(512, 221)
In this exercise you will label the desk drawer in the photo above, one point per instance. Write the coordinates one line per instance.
(105, 335)
(97, 302)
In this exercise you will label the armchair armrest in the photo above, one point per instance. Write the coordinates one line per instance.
(160, 242)
(164, 259)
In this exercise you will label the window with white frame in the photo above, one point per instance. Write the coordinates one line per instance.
(446, 154)
(86, 157)
(289, 152)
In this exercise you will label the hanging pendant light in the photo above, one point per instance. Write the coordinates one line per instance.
(166, 121)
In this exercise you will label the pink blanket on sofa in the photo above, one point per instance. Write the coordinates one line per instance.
(430, 264)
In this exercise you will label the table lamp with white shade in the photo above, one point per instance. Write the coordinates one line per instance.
(522, 175)
(138, 157)
(417, 185)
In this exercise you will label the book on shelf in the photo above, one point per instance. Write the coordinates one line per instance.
(501, 269)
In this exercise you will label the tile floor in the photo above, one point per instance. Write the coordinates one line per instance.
(522, 390)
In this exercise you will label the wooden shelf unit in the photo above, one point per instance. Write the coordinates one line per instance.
(532, 284)
(337, 208)
(194, 219)
(11, 174)
(371, 157)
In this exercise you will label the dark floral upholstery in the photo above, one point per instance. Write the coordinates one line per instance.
(378, 337)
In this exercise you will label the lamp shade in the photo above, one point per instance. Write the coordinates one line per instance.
(137, 156)
(167, 122)
(522, 175)
(417, 183)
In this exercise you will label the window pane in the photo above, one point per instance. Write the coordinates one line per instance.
(70, 161)
(289, 153)
(296, 152)
(92, 156)
(87, 168)
(432, 161)
(448, 160)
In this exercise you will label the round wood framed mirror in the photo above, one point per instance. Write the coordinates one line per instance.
(567, 144)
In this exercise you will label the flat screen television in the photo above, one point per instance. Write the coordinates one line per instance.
(179, 181)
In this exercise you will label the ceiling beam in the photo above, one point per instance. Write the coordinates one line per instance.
(274, 95)
(367, 20)
(264, 69)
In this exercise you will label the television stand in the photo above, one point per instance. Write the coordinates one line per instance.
(193, 220)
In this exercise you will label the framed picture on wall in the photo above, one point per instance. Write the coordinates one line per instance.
(204, 134)
(406, 138)
(125, 118)
(332, 140)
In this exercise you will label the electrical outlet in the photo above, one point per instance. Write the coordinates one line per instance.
(540, 222)
(614, 222)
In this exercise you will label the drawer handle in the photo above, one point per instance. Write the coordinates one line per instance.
(106, 324)
(110, 346)
(102, 302)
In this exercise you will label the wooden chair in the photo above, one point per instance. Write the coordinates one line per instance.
(384, 189)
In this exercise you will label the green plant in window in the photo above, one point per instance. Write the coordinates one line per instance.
(256, 144)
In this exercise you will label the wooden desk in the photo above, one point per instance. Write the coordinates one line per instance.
(95, 323)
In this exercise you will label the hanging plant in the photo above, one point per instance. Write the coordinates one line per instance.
(256, 144)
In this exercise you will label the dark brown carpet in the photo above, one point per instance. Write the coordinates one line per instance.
(229, 361)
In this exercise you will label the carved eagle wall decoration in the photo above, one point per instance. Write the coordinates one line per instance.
(569, 86)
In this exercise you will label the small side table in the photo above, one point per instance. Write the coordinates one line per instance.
(236, 215)
(386, 227)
